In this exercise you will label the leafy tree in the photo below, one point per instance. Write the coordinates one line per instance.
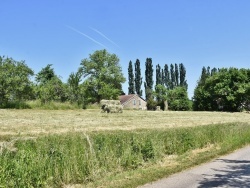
(161, 95)
(225, 90)
(50, 87)
(102, 74)
(46, 74)
(131, 83)
(75, 94)
(15, 84)
(52, 90)
(151, 103)
(138, 78)
(148, 84)
(178, 99)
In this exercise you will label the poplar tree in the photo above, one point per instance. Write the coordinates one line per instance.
(148, 78)
(172, 77)
(162, 77)
(138, 78)
(131, 83)
(158, 75)
(176, 75)
(214, 71)
(166, 76)
(183, 81)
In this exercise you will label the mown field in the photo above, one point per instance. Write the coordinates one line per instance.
(86, 148)
(35, 122)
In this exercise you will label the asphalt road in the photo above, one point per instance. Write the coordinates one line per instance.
(232, 170)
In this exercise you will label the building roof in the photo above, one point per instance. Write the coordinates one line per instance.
(125, 98)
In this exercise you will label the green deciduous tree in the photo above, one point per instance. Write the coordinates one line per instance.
(15, 84)
(178, 99)
(138, 78)
(75, 91)
(102, 74)
(131, 79)
(225, 90)
(53, 90)
(45, 75)
(161, 95)
(49, 86)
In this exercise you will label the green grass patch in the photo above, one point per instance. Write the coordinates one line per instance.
(52, 105)
(91, 158)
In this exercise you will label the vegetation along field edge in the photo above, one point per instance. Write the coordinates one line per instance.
(113, 158)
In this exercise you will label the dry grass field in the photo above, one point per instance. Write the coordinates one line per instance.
(34, 152)
(39, 122)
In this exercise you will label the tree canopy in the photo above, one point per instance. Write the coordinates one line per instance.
(15, 84)
(226, 89)
(103, 75)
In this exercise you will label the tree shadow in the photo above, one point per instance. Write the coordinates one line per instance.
(236, 174)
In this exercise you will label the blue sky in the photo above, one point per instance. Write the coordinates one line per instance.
(197, 33)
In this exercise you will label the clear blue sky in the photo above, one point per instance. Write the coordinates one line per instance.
(197, 33)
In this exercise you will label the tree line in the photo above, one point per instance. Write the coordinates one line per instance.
(170, 85)
(100, 77)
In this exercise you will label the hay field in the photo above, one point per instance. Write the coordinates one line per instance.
(39, 122)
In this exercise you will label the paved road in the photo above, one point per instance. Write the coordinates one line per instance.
(232, 170)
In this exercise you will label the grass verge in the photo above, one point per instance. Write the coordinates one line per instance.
(115, 158)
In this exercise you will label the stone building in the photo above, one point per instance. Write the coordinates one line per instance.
(133, 101)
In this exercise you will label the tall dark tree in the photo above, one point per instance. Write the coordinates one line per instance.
(213, 71)
(158, 75)
(176, 70)
(148, 78)
(138, 78)
(203, 77)
(131, 79)
(183, 81)
(172, 77)
(166, 76)
(200, 99)
(162, 77)
(208, 71)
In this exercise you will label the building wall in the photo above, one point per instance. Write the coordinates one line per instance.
(135, 103)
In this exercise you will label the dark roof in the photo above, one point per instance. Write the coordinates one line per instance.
(125, 98)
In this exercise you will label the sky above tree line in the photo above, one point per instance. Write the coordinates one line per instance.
(196, 33)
